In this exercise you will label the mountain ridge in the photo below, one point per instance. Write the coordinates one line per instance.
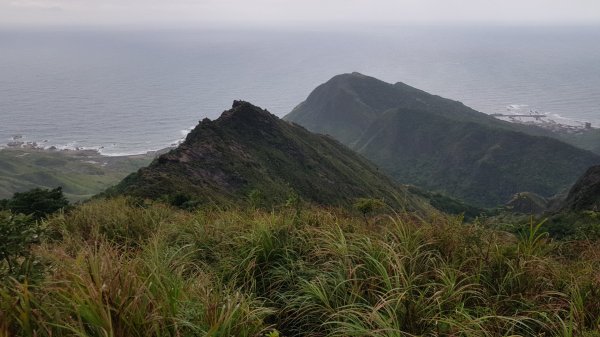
(248, 149)
(440, 144)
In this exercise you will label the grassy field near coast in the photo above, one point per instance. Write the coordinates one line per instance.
(82, 174)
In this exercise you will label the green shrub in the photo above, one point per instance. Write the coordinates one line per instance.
(17, 234)
(367, 206)
(37, 202)
(255, 198)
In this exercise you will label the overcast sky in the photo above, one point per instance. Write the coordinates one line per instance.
(296, 12)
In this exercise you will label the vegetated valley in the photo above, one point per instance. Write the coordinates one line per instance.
(256, 226)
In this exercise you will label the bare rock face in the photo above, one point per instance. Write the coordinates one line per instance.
(527, 203)
(585, 194)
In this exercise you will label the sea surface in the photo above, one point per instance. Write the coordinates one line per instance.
(131, 91)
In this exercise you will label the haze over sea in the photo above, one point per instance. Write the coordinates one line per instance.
(130, 91)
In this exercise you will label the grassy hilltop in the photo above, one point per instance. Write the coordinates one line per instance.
(248, 154)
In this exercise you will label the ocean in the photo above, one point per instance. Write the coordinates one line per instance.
(131, 91)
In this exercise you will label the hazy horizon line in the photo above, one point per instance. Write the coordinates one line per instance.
(346, 26)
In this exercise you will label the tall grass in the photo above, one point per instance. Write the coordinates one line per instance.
(117, 268)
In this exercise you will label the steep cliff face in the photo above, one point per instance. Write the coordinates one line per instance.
(250, 151)
(585, 194)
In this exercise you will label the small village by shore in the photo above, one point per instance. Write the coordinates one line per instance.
(541, 120)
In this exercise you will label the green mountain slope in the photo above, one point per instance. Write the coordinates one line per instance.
(440, 144)
(588, 139)
(250, 152)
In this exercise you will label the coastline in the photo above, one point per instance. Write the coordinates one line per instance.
(525, 115)
(552, 125)
(26, 146)
(580, 134)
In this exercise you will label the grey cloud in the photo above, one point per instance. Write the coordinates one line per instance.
(281, 12)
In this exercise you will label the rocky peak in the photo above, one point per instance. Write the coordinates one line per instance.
(245, 111)
(242, 117)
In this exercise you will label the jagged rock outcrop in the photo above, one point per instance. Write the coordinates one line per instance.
(527, 203)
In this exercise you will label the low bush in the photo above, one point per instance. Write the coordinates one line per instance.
(37, 202)
(18, 233)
